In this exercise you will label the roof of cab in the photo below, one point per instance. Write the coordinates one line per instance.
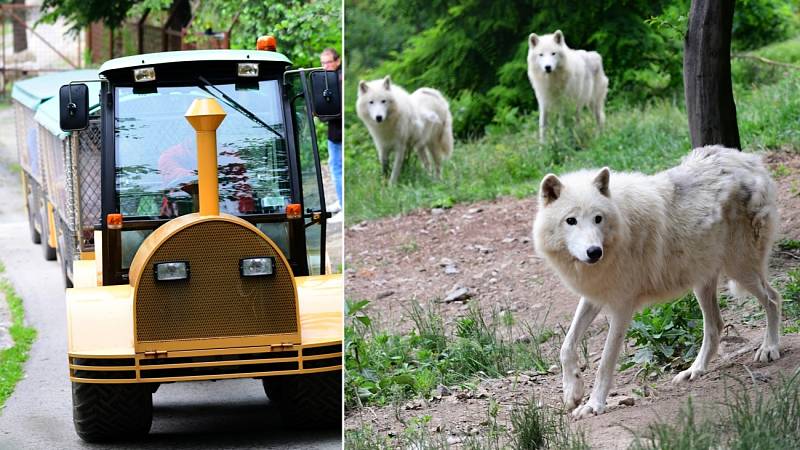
(31, 92)
(152, 59)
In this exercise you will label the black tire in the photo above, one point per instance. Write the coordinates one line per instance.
(105, 412)
(308, 401)
(48, 252)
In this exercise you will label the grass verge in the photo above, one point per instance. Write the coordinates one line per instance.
(12, 359)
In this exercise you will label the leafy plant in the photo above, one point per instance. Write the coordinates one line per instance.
(666, 336)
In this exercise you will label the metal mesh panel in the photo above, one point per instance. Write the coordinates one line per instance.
(216, 301)
(27, 141)
(52, 150)
(86, 147)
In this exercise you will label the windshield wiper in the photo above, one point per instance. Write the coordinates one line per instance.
(235, 105)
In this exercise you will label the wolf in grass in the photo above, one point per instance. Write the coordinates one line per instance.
(399, 122)
(623, 241)
(563, 78)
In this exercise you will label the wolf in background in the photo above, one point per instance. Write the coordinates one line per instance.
(626, 240)
(563, 78)
(399, 121)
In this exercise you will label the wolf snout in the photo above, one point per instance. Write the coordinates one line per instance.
(594, 253)
(548, 69)
(379, 118)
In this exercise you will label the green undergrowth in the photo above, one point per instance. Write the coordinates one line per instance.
(791, 302)
(383, 366)
(765, 420)
(12, 359)
(509, 160)
(531, 426)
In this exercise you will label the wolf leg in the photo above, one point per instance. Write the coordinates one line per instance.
(772, 302)
(619, 321)
(542, 121)
(570, 373)
(399, 156)
(712, 327)
(383, 157)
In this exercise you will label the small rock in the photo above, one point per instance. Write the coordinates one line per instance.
(453, 440)
(475, 210)
(443, 391)
(626, 401)
(473, 431)
(553, 368)
(509, 240)
(384, 295)
(451, 269)
(437, 211)
(444, 262)
(457, 295)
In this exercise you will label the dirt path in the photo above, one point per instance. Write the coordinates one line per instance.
(486, 249)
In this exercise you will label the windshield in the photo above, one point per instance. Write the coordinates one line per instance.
(156, 156)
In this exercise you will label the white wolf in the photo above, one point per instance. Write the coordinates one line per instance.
(562, 78)
(626, 240)
(398, 122)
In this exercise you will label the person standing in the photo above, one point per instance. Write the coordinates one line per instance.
(329, 58)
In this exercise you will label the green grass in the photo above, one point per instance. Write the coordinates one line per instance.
(764, 420)
(383, 367)
(12, 359)
(791, 302)
(510, 161)
(531, 426)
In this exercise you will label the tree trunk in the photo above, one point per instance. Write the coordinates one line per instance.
(20, 36)
(707, 74)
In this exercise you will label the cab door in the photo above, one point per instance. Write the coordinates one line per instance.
(308, 161)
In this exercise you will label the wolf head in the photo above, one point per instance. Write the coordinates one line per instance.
(577, 220)
(376, 101)
(546, 53)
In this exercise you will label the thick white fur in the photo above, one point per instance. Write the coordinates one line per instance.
(398, 122)
(576, 78)
(660, 235)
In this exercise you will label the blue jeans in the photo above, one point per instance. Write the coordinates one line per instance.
(335, 164)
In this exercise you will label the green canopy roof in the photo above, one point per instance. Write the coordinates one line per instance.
(48, 113)
(31, 92)
(152, 59)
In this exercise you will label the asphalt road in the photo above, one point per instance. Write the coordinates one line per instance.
(197, 415)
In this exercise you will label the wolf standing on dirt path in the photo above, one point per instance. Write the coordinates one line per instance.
(627, 240)
(398, 121)
(564, 78)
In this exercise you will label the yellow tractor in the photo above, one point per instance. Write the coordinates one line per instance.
(208, 261)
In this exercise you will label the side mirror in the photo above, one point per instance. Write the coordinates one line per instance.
(325, 93)
(73, 107)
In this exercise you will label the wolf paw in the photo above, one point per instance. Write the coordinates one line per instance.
(573, 394)
(591, 408)
(767, 353)
(689, 374)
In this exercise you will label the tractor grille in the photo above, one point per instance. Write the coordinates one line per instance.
(216, 301)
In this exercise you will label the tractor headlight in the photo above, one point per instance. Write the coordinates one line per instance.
(257, 267)
(171, 271)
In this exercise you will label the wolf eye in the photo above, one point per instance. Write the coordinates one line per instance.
(541, 54)
(371, 102)
(383, 101)
(572, 221)
(598, 219)
(554, 53)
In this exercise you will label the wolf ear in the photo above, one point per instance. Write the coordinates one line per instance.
(558, 36)
(362, 85)
(533, 39)
(387, 82)
(550, 189)
(601, 181)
